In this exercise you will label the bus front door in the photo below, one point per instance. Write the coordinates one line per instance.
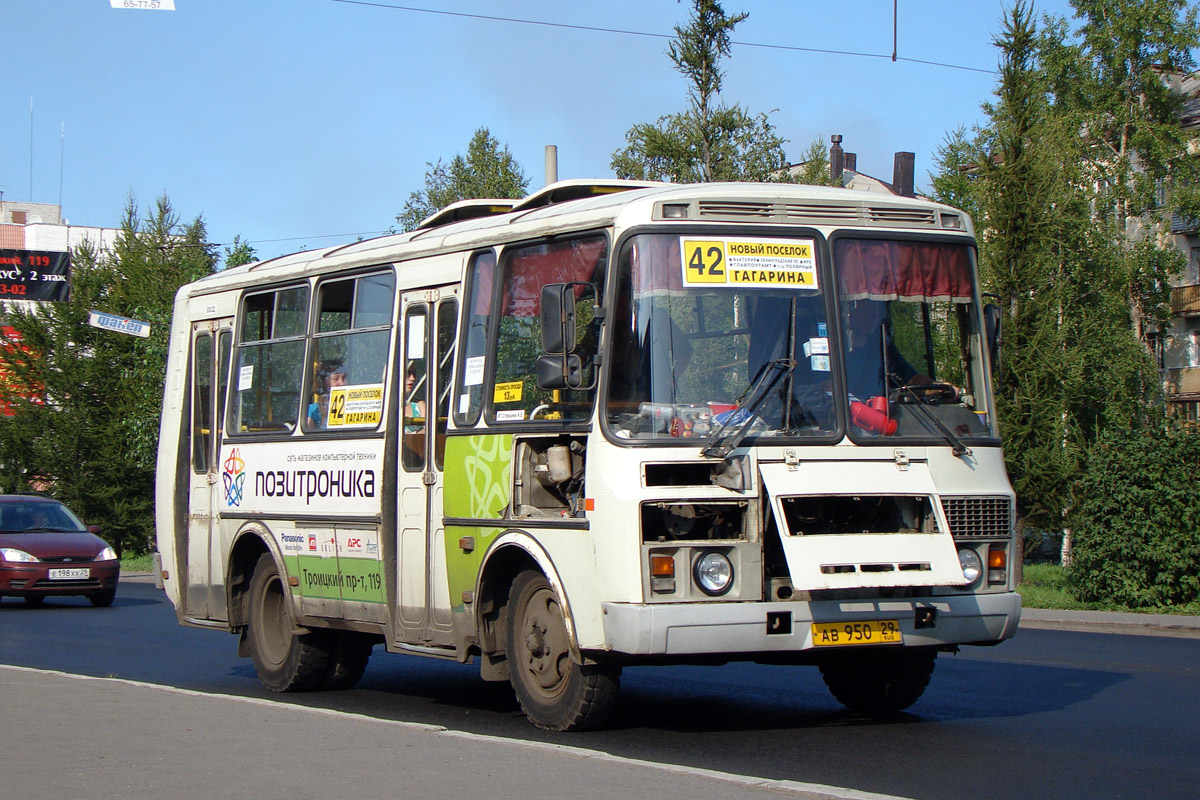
(211, 343)
(426, 357)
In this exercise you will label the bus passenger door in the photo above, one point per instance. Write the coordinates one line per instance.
(425, 358)
(211, 344)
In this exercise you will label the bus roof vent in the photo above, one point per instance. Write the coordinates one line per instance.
(906, 217)
(777, 212)
(467, 209)
(565, 191)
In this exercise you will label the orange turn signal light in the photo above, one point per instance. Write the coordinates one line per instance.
(662, 566)
(997, 558)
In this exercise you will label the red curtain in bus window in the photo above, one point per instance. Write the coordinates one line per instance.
(914, 271)
(656, 265)
(484, 275)
(531, 268)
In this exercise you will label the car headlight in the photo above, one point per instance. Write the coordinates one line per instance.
(971, 563)
(713, 573)
(13, 554)
(107, 554)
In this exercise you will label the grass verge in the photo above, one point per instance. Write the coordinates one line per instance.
(1046, 586)
(135, 563)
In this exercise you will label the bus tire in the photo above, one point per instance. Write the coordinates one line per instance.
(878, 682)
(348, 656)
(555, 692)
(285, 661)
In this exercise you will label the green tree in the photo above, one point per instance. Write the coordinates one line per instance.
(239, 253)
(91, 433)
(814, 166)
(1027, 190)
(1114, 81)
(956, 181)
(710, 141)
(488, 170)
(1065, 183)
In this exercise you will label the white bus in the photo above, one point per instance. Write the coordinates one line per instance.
(611, 424)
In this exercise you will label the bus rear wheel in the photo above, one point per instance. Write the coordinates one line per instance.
(285, 660)
(348, 655)
(555, 692)
(880, 681)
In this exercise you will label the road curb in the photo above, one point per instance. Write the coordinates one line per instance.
(1128, 623)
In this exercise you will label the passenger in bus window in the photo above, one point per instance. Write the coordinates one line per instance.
(330, 375)
(413, 409)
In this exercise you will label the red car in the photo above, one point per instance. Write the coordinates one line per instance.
(45, 551)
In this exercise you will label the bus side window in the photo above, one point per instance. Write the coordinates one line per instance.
(468, 397)
(516, 395)
(202, 409)
(415, 399)
(447, 322)
(354, 321)
(224, 348)
(270, 361)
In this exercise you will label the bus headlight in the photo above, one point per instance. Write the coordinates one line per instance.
(713, 573)
(971, 563)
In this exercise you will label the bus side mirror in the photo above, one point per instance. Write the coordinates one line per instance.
(560, 371)
(991, 324)
(558, 319)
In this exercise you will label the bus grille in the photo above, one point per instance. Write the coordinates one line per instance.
(978, 517)
(813, 213)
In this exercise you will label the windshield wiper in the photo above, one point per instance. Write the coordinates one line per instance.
(957, 447)
(735, 427)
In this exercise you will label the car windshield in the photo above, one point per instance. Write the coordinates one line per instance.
(17, 517)
(714, 334)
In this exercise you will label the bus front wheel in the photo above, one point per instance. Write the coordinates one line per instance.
(878, 681)
(555, 692)
(285, 660)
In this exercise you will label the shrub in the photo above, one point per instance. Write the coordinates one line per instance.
(1136, 519)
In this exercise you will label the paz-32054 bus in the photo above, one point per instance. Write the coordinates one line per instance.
(612, 423)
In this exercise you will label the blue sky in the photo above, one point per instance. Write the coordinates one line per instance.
(302, 123)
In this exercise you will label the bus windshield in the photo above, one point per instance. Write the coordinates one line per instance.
(693, 356)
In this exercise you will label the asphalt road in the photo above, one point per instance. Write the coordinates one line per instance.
(1051, 713)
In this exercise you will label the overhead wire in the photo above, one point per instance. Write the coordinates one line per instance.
(647, 34)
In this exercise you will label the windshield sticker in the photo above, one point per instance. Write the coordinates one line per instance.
(508, 392)
(473, 372)
(351, 406)
(513, 415)
(246, 378)
(749, 263)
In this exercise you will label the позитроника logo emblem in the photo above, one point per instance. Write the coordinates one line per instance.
(234, 476)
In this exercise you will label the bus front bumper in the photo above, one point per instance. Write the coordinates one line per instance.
(781, 627)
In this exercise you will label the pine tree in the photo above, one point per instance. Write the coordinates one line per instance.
(710, 141)
(488, 170)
